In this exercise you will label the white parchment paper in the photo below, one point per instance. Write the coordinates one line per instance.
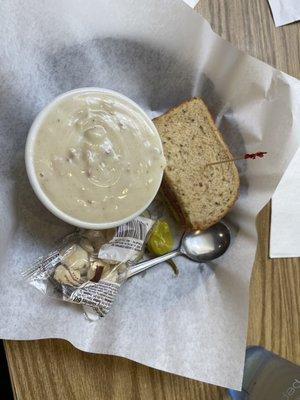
(285, 11)
(158, 53)
(285, 226)
(191, 3)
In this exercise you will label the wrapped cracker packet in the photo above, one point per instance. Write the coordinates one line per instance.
(87, 267)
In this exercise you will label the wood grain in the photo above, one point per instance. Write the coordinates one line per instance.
(53, 369)
(248, 24)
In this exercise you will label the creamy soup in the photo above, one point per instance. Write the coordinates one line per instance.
(97, 158)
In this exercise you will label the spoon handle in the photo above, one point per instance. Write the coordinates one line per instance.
(135, 269)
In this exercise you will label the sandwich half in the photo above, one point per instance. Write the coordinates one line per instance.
(199, 194)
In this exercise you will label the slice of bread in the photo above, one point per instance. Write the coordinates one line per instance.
(199, 194)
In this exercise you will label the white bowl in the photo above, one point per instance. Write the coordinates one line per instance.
(29, 161)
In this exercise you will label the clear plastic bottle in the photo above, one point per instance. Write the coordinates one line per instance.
(268, 377)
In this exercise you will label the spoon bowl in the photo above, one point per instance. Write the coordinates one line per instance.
(208, 245)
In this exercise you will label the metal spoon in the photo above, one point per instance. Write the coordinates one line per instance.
(196, 245)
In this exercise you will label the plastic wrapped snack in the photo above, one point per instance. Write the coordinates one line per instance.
(88, 267)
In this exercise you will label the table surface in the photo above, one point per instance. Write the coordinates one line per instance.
(54, 369)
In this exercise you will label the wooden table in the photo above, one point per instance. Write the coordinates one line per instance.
(54, 370)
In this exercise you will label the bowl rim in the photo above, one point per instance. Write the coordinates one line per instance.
(29, 158)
